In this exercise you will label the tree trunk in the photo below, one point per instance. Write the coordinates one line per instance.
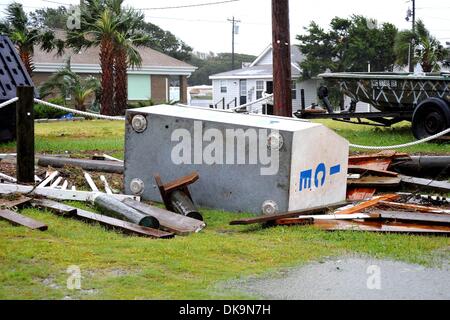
(25, 56)
(107, 81)
(121, 81)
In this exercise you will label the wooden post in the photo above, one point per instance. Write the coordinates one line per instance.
(25, 135)
(281, 43)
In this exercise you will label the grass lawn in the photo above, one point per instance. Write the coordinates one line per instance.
(33, 264)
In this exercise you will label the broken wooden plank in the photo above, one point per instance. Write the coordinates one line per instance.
(426, 183)
(278, 216)
(371, 171)
(103, 220)
(65, 185)
(120, 210)
(56, 194)
(56, 182)
(414, 216)
(85, 164)
(413, 207)
(106, 184)
(18, 219)
(169, 221)
(106, 156)
(48, 179)
(90, 182)
(7, 178)
(291, 221)
(294, 222)
(343, 225)
(55, 207)
(19, 202)
(367, 204)
(373, 181)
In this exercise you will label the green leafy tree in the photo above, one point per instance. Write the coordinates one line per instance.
(349, 45)
(69, 84)
(53, 18)
(429, 52)
(212, 64)
(166, 42)
(25, 36)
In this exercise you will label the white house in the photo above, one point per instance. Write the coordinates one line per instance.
(238, 87)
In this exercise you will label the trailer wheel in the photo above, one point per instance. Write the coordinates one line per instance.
(431, 117)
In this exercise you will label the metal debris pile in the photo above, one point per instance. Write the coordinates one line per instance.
(399, 212)
(118, 211)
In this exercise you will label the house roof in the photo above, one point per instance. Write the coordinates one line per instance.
(87, 61)
(261, 68)
(256, 72)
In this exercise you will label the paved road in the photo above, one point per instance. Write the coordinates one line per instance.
(354, 279)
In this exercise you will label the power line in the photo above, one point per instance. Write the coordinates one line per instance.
(191, 5)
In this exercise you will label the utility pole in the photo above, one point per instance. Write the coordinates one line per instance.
(412, 13)
(234, 31)
(282, 73)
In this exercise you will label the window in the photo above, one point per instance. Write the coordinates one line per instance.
(294, 90)
(139, 87)
(259, 89)
(223, 86)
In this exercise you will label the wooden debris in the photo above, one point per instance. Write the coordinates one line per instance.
(278, 216)
(360, 194)
(371, 171)
(413, 207)
(18, 219)
(48, 179)
(106, 221)
(90, 182)
(342, 225)
(294, 222)
(169, 221)
(415, 217)
(111, 158)
(367, 204)
(176, 195)
(7, 178)
(55, 207)
(56, 182)
(106, 184)
(426, 183)
(65, 185)
(302, 219)
(56, 194)
(20, 202)
(85, 164)
(372, 181)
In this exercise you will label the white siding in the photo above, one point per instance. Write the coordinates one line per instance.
(232, 92)
(266, 59)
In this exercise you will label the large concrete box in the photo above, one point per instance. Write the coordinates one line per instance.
(175, 141)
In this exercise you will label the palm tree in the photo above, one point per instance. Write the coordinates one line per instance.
(17, 26)
(71, 84)
(428, 51)
(105, 24)
(126, 55)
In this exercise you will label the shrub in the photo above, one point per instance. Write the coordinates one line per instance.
(44, 112)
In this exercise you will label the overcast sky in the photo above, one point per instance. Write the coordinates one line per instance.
(207, 29)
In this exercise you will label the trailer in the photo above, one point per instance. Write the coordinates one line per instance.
(423, 99)
(12, 75)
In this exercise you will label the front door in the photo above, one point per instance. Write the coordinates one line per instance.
(243, 92)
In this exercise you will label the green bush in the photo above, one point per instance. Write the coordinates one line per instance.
(44, 112)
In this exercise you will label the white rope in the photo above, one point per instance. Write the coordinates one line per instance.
(83, 113)
(7, 103)
(401, 146)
